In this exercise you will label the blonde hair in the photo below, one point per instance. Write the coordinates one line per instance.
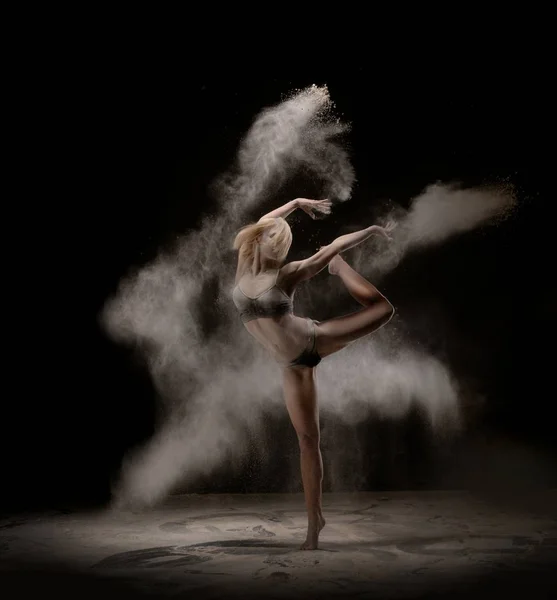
(246, 240)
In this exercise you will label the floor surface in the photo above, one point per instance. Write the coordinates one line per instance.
(375, 545)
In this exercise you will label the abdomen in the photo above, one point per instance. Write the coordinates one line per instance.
(284, 337)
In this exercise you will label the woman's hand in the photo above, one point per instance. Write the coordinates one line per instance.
(315, 207)
(384, 231)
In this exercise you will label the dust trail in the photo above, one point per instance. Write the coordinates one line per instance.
(215, 385)
(439, 212)
(299, 133)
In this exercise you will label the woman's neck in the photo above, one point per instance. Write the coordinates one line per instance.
(262, 263)
(266, 268)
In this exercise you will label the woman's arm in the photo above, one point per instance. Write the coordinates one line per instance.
(345, 242)
(308, 268)
(311, 207)
(283, 211)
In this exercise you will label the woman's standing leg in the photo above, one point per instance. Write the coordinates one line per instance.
(300, 395)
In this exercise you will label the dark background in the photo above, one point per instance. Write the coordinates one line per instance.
(117, 154)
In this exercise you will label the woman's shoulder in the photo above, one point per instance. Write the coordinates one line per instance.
(285, 279)
(287, 269)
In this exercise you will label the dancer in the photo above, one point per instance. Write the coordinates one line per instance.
(263, 295)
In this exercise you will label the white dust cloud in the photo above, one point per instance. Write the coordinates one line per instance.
(216, 385)
(299, 133)
(438, 213)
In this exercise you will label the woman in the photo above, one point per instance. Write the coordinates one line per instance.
(263, 295)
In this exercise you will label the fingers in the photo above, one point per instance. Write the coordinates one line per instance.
(311, 207)
(324, 206)
(387, 228)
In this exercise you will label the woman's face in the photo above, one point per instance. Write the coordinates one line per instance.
(266, 243)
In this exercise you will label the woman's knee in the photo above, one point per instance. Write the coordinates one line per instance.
(379, 314)
(308, 440)
(383, 309)
(389, 310)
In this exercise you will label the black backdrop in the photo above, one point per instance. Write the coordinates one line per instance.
(117, 159)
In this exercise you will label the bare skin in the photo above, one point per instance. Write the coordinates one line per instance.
(332, 335)
(300, 387)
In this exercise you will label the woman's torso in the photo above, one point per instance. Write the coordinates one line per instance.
(284, 334)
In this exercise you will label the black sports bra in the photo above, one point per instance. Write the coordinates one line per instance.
(273, 302)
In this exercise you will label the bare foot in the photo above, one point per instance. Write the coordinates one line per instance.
(336, 261)
(314, 529)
